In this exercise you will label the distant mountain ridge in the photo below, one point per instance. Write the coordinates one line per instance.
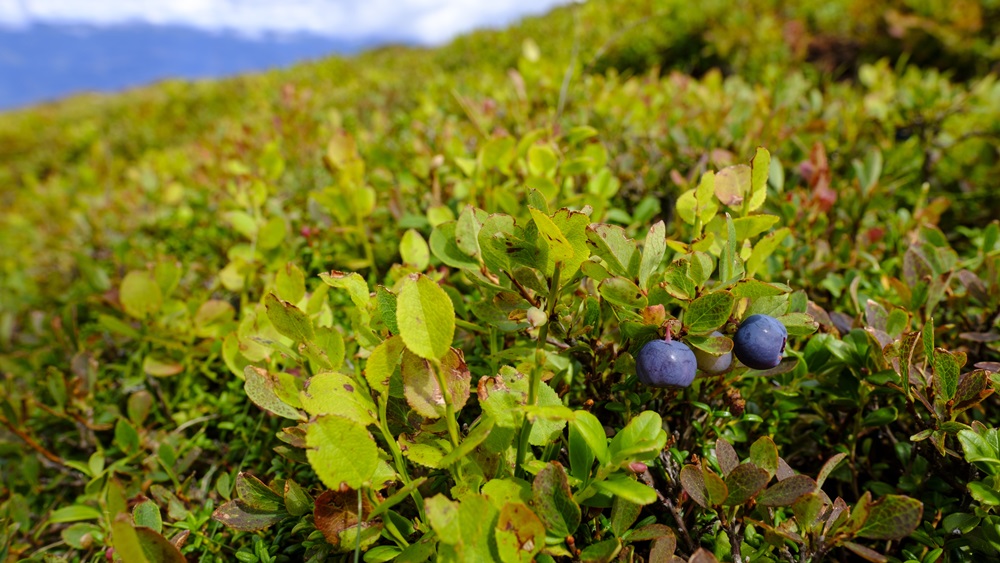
(43, 62)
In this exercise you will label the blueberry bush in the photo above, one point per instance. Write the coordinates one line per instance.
(619, 283)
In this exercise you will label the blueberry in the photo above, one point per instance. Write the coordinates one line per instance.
(712, 364)
(666, 364)
(760, 341)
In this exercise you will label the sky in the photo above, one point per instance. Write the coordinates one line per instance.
(421, 21)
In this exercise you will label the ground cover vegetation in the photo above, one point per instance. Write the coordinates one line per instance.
(423, 304)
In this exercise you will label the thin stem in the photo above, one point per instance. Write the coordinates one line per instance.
(522, 290)
(357, 539)
(536, 370)
(32, 443)
(397, 457)
(449, 408)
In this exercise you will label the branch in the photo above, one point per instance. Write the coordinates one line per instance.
(32, 443)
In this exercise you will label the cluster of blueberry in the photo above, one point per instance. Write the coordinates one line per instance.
(758, 343)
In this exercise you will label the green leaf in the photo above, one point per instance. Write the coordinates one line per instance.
(592, 431)
(709, 312)
(258, 496)
(260, 386)
(554, 502)
(714, 345)
(704, 194)
(880, 417)
(652, 252)
(440, 214)
(764, 454)
(715, 486)
(385, 304)
(799, 324)
(147, 514)
(495, 237)
(744, 482)
(730, 265)
(157, 548)
(288, 319)
(75, 513)
(946, 370)
(733, 184)
(272, 234)
(612, 244)
(983, 493)
(693, 482)
(140, 295)
(126, 542)
(687, 207)
(520, 534)
(413, 250)
(444, 245)
(423, 391)
(764, 248)
(341, 452)
(466, 529)
(467, 230)
(331, 345)
(927, 337)
(829, 467)
(623, 514)
(759, 166)
(426, 317)
(601, 552)
(622, 292)
(753, 289)
(336, 393)
(677, 283)
(382, 364)
(641, 439)
(237, 515)
(573, 226)
(559, 249)
(746, 227)
(542, 160)
(786, 492)
(979, 451)
(892, 517)
(290, 283)
(356, 286)
(628, 489)
(242, 222)
(297, 501)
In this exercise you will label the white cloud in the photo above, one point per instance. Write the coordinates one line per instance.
(426, 21)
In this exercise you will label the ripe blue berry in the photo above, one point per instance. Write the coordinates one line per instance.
(712, 364)
(760, 341)
(666, 364)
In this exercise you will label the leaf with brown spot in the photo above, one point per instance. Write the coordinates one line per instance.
(784, 493)
(727, 456)
(694, 485)
(744, 482)
(892, 517)
(420, 383)
(336, 516)
(520, 534)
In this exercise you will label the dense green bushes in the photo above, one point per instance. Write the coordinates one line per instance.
(245, 298)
